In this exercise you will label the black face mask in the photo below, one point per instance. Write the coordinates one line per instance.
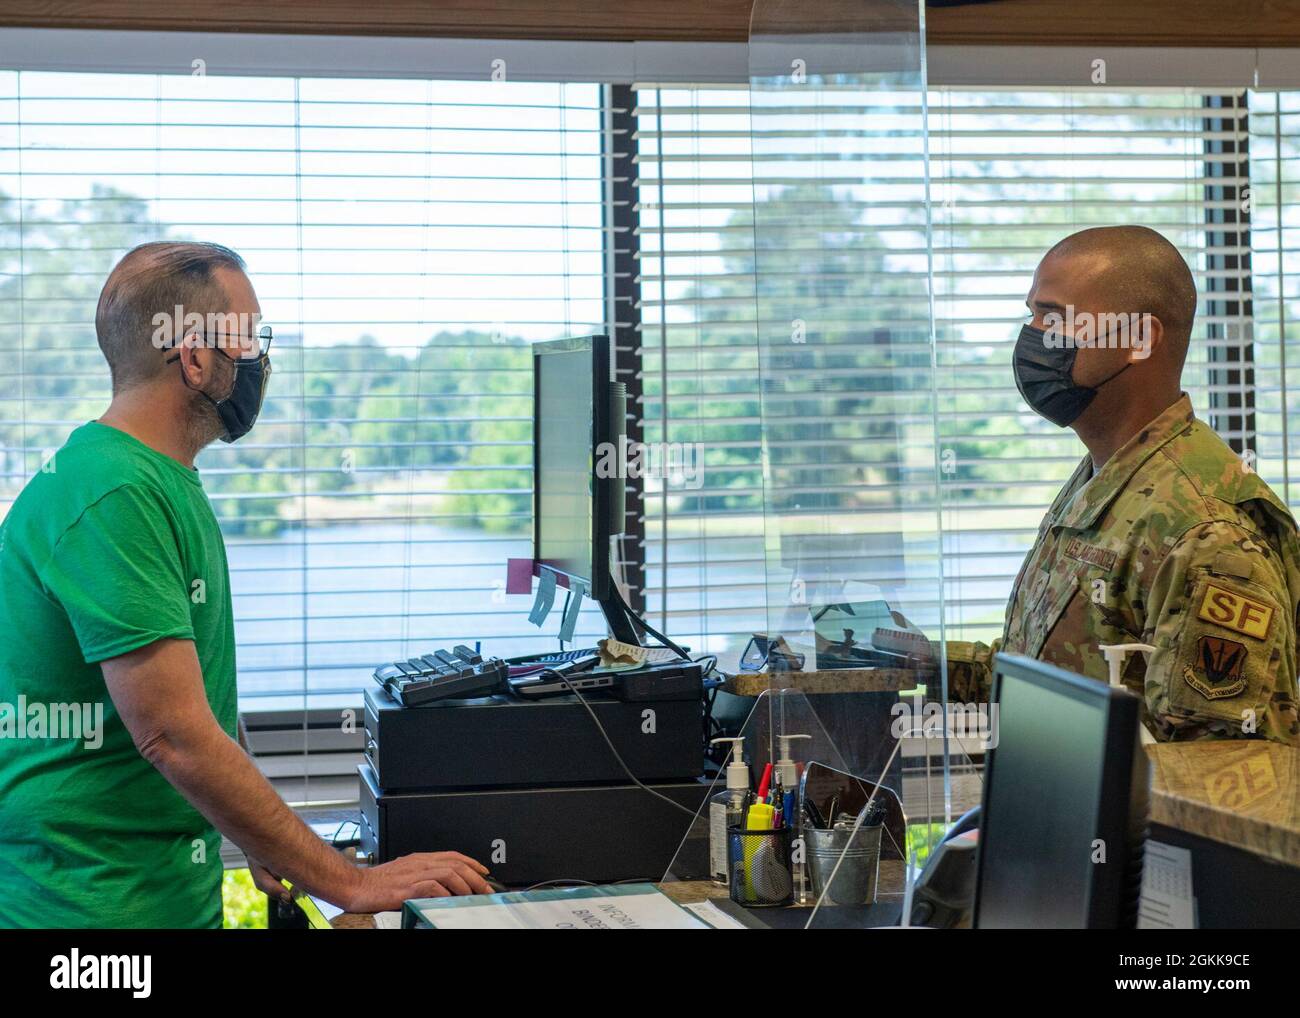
(1045, 378)
(238, 409)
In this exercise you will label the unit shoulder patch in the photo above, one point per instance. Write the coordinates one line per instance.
(1219, 669)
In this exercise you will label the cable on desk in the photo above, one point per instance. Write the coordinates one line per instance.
(561, 882)
(710, 695)
(613, 749)
(334, 840)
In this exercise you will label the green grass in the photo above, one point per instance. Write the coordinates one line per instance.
(244, 906)
(917, 837)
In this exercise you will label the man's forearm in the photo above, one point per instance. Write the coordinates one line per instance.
(221, 781)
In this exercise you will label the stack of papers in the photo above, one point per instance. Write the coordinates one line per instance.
(609, 907)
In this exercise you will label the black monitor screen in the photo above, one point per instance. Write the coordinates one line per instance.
(564, 421)
(1045, 805)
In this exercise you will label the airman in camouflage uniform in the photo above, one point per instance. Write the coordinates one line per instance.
(1174, 542)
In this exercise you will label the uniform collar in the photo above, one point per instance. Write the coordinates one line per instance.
(1117, 471)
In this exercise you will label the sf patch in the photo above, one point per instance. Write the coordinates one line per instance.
(1235, 611)
(1219, 670)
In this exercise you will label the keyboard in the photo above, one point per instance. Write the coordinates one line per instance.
(442, 675)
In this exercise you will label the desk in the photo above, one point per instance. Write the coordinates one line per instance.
(1236, 807)
(840, 680)
(1243, 794)
(889, 891)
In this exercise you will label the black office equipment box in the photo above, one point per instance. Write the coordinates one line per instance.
(529, 835)
(500, 741)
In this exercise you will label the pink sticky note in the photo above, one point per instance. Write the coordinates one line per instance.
(519, 576)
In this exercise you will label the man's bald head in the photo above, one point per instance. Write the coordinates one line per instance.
(1138, 272)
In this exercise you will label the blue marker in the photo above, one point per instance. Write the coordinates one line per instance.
(737, 854)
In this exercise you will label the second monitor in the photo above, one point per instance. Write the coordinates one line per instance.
(579, 419)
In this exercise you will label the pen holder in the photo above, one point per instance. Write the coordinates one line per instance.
(758, 867)
(855, 880)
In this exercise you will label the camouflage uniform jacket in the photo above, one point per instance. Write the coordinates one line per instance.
(1174, 542)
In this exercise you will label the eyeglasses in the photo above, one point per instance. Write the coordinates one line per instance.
(261, 344)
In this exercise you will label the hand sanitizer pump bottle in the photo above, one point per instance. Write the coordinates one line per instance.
(727, 809)
(1116, 654)
(786, 767)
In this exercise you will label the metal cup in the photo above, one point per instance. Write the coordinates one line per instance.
(855, 881)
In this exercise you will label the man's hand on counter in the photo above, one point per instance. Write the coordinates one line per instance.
(419, 875)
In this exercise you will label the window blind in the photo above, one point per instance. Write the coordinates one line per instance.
(1275, 263)
(408, 239)
(1012, 172)
(703, 544)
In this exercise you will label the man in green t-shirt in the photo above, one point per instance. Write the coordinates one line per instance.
(118, 753)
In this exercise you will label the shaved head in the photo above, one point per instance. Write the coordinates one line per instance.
(1118, 302)
(1138, 271)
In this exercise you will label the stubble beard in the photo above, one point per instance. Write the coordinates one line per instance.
(203, 425)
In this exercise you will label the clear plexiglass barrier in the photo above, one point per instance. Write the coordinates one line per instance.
(852, 670)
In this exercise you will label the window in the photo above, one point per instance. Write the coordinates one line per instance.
(408, 239)
(703, 545)
(1275, 283)
(1012, 173)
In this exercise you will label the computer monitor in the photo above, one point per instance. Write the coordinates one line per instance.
(578, 487)
(1064, 815)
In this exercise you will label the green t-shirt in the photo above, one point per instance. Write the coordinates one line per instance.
(111, 547)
